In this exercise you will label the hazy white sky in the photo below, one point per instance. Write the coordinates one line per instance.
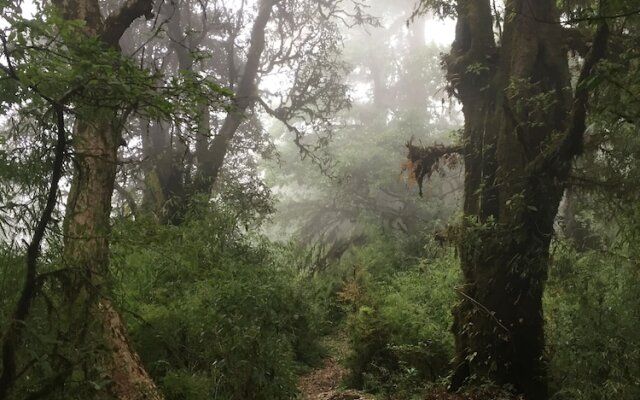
(440, 32)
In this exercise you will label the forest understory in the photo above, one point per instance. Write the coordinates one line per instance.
(319, 200)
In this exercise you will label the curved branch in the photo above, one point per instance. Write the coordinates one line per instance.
(119, 21)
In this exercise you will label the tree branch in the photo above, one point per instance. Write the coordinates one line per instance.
(119, 21)
(573, 144)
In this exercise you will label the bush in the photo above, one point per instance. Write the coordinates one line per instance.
(400, 329)
(592, 302)
(219, 318)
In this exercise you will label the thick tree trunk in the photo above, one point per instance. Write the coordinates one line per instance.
(86, 253)
(522, 128)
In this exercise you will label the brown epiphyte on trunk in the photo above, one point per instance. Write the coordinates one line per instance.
(424, 161)
(523, 127)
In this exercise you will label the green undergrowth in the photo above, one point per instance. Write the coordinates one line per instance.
(397, 316)
(398, 320)
(214, 312)
(592, 306)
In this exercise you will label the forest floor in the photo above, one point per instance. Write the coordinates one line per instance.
(324, 383)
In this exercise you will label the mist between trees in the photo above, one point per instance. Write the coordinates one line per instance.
(303, 199)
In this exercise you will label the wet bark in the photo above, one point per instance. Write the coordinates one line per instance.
(522, 128)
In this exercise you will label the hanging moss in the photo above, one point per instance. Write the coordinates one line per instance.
(424, 161)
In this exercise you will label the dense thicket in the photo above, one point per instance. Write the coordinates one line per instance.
(196, 195)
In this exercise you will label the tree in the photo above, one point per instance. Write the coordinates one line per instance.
(367, 195)
(65, 65)
(244, 47)
(524, 124)
(86, 226)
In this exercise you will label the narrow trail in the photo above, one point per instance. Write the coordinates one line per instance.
(323, 383)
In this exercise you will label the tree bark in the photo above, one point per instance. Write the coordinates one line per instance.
(522, 129)
(86, 253)
(96, 138)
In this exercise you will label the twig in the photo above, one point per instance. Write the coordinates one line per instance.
(485, 309)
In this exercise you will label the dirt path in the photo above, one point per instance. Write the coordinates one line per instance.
(324, 383)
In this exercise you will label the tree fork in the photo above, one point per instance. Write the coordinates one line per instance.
(516, 168)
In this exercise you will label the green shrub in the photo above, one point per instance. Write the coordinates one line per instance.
(219, 317)
(400, 330)
(592, 302)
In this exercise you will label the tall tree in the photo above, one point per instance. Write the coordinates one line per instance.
(524, 124)
(68, 58)
(97, 137)
(252, 45)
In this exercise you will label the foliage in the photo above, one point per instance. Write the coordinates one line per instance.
(591, 301)
(216, 314)
(400, 322)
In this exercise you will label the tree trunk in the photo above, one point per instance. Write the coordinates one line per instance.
(166, 191)
(86, 252)
(211, 157)
(97, 135)
(522, 129)
(165, 173)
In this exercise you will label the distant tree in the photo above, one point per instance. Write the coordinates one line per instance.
(365, 193)
(246, 47)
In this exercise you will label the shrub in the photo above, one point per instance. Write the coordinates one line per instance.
(400, 329)
(219, 317)
(592, 302)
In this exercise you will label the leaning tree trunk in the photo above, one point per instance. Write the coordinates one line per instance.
(86, 252)
(211, 156)
(522, 128)
(91, 318)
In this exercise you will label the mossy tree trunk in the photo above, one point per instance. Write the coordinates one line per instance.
(523, 126)
(93, 322)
